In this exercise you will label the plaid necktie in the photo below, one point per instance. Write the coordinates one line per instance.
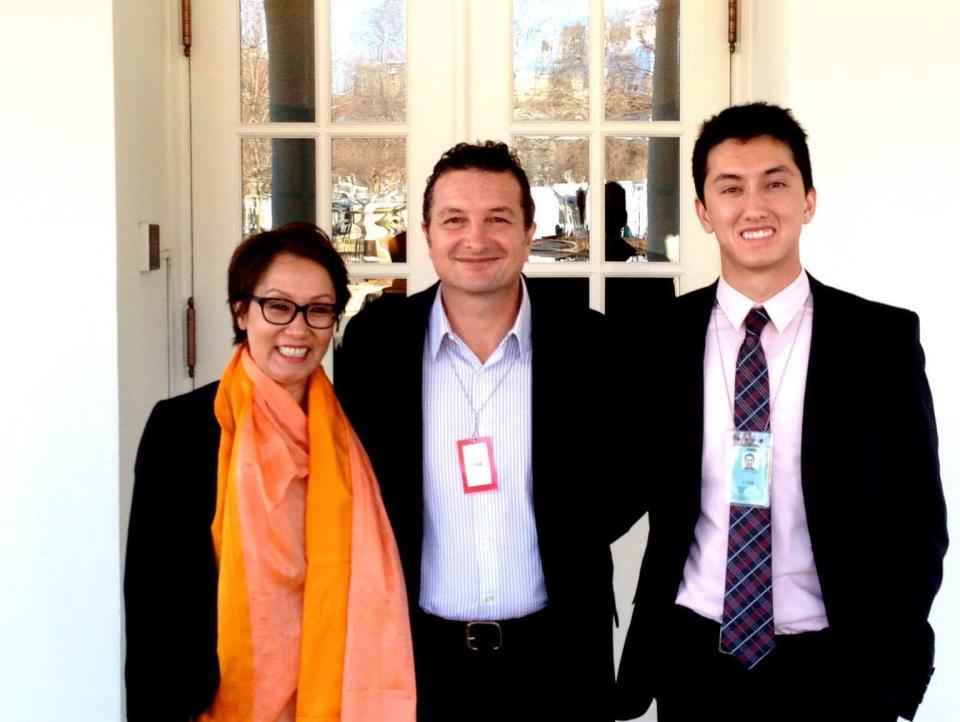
(747, 630)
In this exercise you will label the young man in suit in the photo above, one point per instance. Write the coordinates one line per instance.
(480, 403)
(800, 592)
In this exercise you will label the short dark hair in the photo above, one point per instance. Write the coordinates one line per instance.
(615, 207)
(746, 122)
(252, 258)
(492, 156)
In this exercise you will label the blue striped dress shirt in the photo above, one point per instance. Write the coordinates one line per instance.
(480, 560)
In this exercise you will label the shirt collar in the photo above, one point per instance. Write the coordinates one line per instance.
(439, 327)
(782, 307)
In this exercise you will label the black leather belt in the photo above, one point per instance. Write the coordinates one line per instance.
(486, 635)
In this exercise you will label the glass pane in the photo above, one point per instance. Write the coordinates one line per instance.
(639, 298)
(364, 291)
(558, 292)
(641, 65)
(369, 219)
(276, 80)
(558, 168)
(551, 59)
(278, 182)
(368, 66)
(642, 199)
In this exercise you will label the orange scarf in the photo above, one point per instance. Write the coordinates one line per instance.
(312, 614)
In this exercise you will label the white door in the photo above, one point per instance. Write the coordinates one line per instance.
(335, 111)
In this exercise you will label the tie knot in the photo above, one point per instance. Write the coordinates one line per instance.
(756, 320)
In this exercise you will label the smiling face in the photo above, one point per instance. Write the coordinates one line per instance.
(289, 354)
(478, 243)
(755, 204)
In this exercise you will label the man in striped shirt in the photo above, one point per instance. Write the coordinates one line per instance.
(488, 446)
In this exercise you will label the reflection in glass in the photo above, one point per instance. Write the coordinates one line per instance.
(364, 291)
(642, 60)
(276, 81)
(560, 292)
(558, 168)
(278, 182)
(639, 307)
(368, 68)
(636, 299)
(641, 199)
(551, 59)
(369, 219)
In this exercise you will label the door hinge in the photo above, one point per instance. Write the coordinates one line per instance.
(185, 28)
(191, 338)
(731, 24)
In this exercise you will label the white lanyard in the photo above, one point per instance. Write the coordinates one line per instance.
(476, 411)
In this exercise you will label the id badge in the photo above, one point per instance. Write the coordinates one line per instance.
(749, 468)
(477, 469)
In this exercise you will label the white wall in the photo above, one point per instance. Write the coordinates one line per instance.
(59, 560)
(874, 82)
(152, 186)
(152, 170)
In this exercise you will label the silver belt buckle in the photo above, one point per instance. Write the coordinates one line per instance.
(472, 639)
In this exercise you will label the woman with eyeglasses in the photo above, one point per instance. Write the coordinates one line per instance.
(262, 579)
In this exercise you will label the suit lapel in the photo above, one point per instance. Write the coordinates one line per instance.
(543, 388)
(825, 340)
(410, 339)
(695, 311)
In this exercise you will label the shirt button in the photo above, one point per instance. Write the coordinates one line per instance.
(488, 599)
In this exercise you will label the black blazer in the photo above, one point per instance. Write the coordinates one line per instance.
(170, 581)
(872, 494)
(576, 495)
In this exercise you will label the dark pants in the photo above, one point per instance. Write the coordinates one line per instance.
(519, 681)
(805, 678)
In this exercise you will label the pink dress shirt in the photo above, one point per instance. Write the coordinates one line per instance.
(797, 599)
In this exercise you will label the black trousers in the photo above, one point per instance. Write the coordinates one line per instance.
(521, 680)
(806, 678)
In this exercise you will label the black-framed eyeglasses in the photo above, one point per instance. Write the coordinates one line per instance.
(281, 311)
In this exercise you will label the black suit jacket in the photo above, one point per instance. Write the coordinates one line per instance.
(379, 381)
(871, 486)
(170, 581)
